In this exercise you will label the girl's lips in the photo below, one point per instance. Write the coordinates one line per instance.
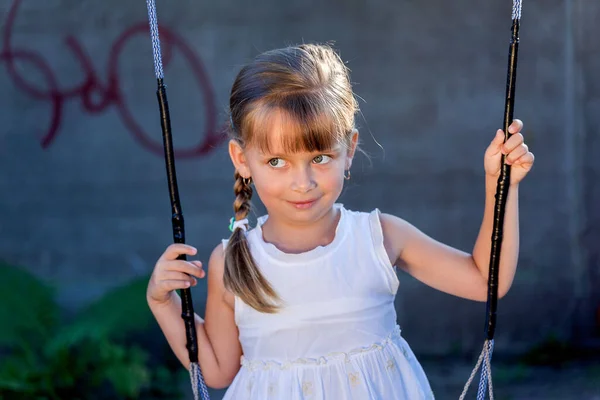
(302, 205)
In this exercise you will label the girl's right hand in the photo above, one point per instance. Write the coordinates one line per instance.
(170, 273)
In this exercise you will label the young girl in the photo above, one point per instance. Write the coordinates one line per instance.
(306, 298)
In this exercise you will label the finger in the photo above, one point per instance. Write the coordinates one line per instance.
(176, 249)
(179, 276)
(525, 160)
(198, 265)
(186, 267)
(516, 154)
(170, 285)
(516, 126)
(512, 143)
(496, 145)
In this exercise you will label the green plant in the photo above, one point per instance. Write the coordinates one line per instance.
(98, 354)
(27, 310)
(552, 352)
(509, 374)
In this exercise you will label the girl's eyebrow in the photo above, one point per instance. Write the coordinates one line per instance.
(332, 150)
(270, 155)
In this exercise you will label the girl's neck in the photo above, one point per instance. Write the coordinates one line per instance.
(299, 238)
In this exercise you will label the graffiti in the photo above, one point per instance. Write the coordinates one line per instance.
(96, 96)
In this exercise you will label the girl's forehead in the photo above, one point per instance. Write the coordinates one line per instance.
(277, 132)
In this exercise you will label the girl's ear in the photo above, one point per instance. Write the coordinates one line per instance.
(352, 148)
(238, 158)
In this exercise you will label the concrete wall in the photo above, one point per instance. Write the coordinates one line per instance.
(84, 200)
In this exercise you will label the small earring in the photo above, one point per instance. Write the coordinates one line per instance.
(247, 181)
(347, 175)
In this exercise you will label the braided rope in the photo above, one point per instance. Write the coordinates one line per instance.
(485, 382)
(153, 20)
(198, 386)
(516, 10)
(472, 376)
(488, 362)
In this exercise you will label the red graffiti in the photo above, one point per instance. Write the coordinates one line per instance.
(96, 96)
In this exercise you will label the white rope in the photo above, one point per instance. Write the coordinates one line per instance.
(198, 386)
(516, 10)
(194, 380)
(472, 376)
(153, 20)
(485, 382)
(488, 362)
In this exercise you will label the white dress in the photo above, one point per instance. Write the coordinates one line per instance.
(336, 337)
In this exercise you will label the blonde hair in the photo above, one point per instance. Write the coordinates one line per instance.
(308, 84)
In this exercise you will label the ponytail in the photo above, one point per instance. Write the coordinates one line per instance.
(242, 276)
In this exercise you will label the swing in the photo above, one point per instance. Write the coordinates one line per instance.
(199, 388)
(187, 307)
(485, 358)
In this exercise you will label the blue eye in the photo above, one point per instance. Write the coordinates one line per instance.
(276, 163)
(321, 159)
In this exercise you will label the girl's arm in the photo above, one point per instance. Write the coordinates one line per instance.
(450, 270)
(454, 271)
(219, 350)
(509, 252)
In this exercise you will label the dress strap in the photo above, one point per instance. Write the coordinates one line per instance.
(380, 251)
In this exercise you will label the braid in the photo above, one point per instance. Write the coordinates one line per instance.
(243, 194)
(242, 276)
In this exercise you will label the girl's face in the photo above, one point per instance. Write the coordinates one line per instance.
(297, 187)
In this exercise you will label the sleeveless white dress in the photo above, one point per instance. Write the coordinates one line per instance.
(336, 337)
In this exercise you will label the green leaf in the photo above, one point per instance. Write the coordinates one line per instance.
(28, 311)
(118, 314)
(128, 374)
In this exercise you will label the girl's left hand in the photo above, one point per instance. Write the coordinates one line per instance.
(518, 155)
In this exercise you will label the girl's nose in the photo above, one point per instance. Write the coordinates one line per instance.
(303, 180)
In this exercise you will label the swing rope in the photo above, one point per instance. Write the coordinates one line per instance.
(485, 358)
(187, 309)
(485, 380)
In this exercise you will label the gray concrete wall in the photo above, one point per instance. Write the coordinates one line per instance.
(84, 200)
